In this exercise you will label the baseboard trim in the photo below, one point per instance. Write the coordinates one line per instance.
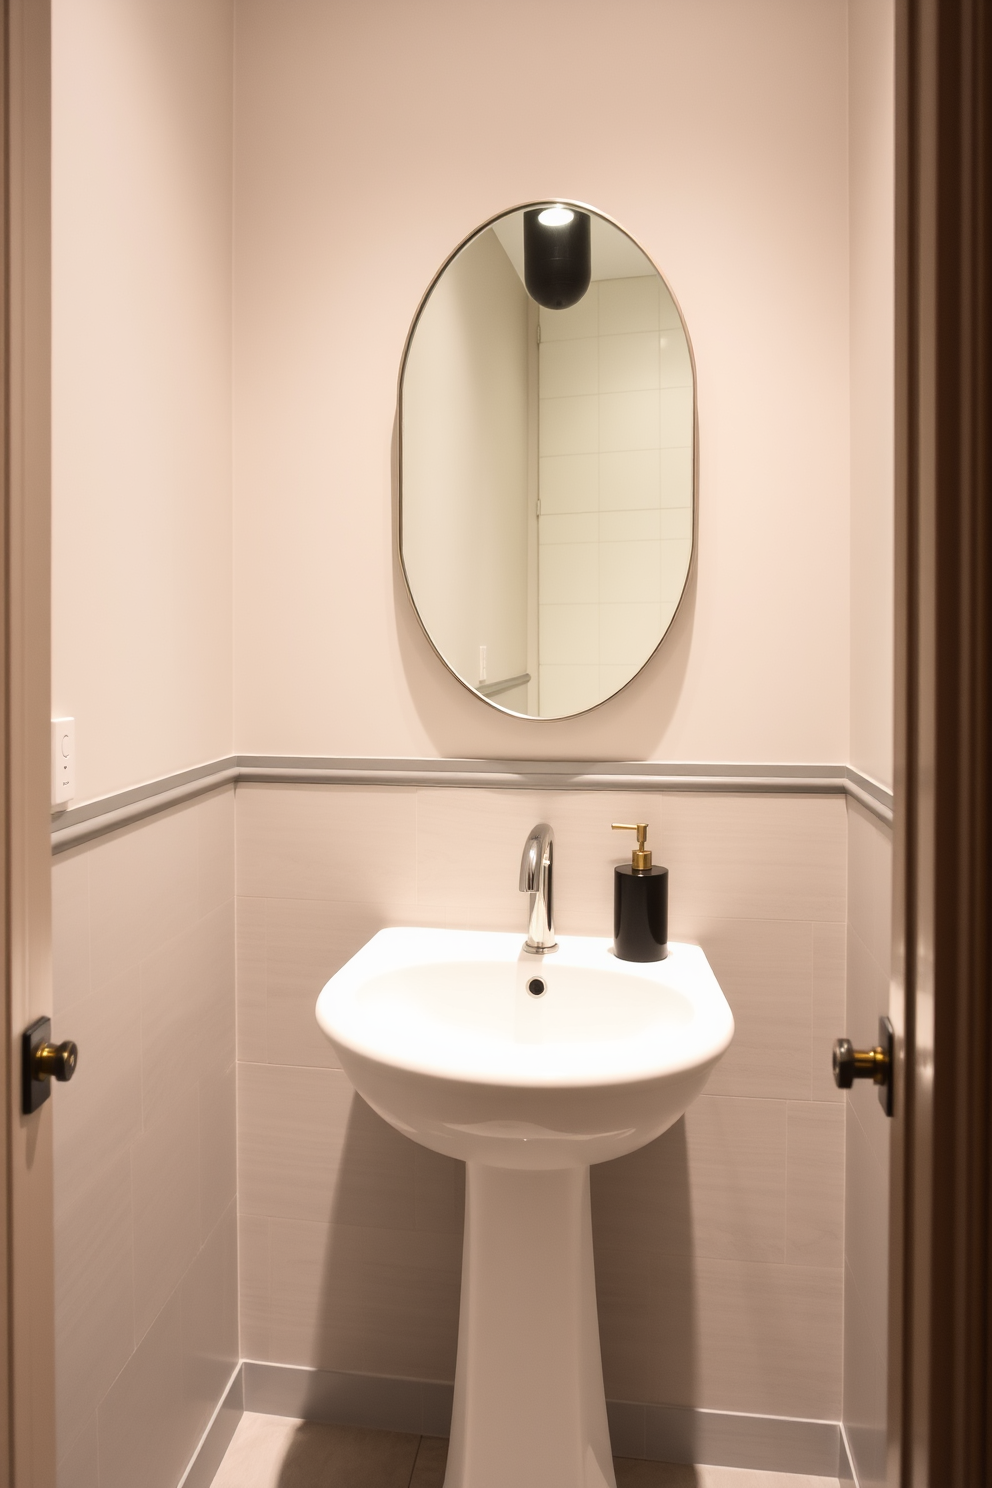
(656, 1433)
(217, 1438)
(81, 824)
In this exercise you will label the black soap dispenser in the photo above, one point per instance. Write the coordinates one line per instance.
(640, 903)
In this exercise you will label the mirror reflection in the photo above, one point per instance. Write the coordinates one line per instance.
(546, 462)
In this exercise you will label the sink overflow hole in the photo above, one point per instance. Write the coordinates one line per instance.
(536, 986)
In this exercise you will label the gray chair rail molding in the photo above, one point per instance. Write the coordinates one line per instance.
(95, 818)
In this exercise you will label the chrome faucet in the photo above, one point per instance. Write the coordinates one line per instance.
(536, 867)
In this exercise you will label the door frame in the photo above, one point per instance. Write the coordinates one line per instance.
(940, 1405)
(27, 1414)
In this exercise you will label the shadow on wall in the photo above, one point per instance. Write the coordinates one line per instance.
(629, 725)
(643, 1240)
(391, 1269)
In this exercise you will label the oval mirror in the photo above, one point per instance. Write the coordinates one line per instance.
(547, 416)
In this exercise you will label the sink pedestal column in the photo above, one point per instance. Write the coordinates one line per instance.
(529, 1408)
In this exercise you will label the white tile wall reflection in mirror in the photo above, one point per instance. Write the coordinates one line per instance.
(547, 478)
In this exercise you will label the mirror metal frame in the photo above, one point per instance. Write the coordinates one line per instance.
(690, 567)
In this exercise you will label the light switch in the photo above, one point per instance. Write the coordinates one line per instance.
(63, 760)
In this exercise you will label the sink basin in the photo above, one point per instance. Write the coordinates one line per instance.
(529, 1068)
(439, 1033)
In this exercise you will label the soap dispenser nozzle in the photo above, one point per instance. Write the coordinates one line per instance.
(640, 858)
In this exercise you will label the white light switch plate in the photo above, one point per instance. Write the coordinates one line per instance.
(63, 760)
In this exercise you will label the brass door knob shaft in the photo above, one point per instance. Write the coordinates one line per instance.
(55, 1061)
(852, 1064)
(43, 1062)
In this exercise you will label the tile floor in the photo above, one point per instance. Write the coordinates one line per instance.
(276, 1452)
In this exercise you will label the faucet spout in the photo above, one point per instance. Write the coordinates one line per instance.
(537, 879)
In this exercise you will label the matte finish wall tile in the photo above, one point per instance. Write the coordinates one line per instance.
(251, 979)
(815, 1209)
(100, 1115)
(94, 1295)
(367, 1300)
(628, 362)
(168, 854)
(309, 1148)
(70, 930)
(569, 368)
(145, 1148)
(569, 633)
(569, 573)
(164, 1182)
(459, 882)
(736, 1156)
(779, 857)
(870, 860)
(629, 480)
(765, 970)
(335, 1204)
(733, 1334)
(627, 305)
(627, 569)
(644, 525)
(147, 1427)
(215, 860)
(569, 483)
(254, 1301)
(865, 1383)
(187, 1010)
(714, 1185)
(829, 1007)
(80, 1467)
(577, 527)
(306, 941)
(569, 426)
(218, 1146)
(438, 1192)
(867, 1139)
(301, 842)
(209, 1305)
(866, 1245)
(121, 921)
(628, 421)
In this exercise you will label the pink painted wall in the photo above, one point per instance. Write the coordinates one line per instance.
(141, 361)
(872, 173)
(369, 138)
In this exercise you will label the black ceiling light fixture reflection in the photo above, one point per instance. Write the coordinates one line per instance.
(557, 255)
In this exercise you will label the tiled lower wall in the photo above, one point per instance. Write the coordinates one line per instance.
(719, 1248)
(145, 1200)
(867, 1179)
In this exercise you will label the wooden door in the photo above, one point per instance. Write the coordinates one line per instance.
(940, 1403)
(27, 1412)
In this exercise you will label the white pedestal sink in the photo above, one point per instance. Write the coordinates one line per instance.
(442, 1033)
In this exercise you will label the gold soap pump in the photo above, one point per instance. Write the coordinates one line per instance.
(640, 902)
(640, 858)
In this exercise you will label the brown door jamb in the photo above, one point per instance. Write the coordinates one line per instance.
(940, 1403)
